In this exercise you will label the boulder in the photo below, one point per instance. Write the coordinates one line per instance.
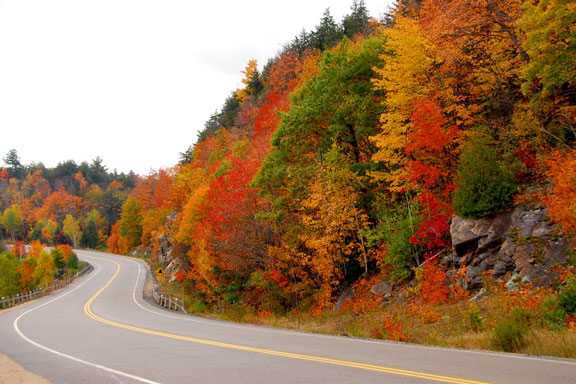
(383, 289)
(465, 234)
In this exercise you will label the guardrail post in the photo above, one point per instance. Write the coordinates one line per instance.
(3, 302)
(176, 304)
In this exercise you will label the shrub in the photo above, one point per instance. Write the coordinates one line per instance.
(483, 184)
(553, 315)
(509, 334)
(394, 231)
(567, 294)
(475, 321)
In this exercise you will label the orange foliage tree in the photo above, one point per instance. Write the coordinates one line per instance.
(561, 200)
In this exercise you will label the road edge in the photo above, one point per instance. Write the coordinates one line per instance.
(12, 372)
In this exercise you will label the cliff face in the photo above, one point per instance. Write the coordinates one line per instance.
(520, 246)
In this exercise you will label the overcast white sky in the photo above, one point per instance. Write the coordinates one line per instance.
(132, 81)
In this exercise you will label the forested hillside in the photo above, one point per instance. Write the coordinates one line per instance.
(343, 160)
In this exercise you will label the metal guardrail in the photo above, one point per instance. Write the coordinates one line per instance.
(169, 302)
(21, 298)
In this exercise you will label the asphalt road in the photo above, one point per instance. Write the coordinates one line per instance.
(100, 330)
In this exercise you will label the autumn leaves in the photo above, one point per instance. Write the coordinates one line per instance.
(331, 166)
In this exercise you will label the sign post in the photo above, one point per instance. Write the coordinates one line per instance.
(159, 274)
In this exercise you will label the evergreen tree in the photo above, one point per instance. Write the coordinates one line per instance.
(483, 184)
(15, 168)
(89, 237)
(327, 34)
(358, 21)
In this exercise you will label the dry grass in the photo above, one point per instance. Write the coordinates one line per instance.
(463, 324)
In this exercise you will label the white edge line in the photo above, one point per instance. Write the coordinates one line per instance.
(78, 360)
(296, 332)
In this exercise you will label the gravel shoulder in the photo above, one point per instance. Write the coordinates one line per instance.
(13, 373)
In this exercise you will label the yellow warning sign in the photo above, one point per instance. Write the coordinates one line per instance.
(159, 273)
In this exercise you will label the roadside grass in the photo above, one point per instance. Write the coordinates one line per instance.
(520, 321)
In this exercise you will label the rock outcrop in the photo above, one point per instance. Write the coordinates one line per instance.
(520, 245)
(171, 257)
(514, 247)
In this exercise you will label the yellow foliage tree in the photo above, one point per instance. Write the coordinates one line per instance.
(333, 222)
(407, 75)
(251, 75)
(44, 272)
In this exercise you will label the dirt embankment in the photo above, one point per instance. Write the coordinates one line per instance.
(12, 373)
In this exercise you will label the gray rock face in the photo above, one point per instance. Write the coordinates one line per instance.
(172, 258)
(520, 246)
(466, 233)
(347, 295)
(383, 289)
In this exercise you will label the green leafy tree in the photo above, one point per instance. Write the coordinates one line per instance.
(396, 226)
(9, 276)
(550, 28)
(338, 106)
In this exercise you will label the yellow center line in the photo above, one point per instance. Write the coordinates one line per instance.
(350, 364)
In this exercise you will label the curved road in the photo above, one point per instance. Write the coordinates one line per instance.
(100, 330)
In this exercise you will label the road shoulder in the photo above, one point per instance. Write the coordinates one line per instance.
(12, 373)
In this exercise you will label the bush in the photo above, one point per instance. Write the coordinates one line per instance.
(483, 184)
(393, 233)
(509, 334)
(73, 262)
(567, 295)
(475, 320)
(552, 314)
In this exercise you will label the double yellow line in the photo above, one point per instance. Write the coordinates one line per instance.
(343, 363)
